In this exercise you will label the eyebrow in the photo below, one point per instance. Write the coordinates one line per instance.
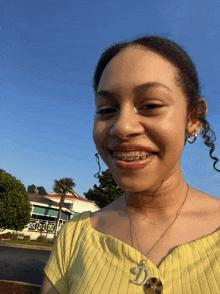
(145, 86)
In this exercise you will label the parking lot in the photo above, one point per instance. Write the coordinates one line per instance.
(23, 265)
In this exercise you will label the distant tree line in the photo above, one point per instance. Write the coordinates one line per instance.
(33, 189)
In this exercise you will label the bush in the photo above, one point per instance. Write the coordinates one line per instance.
(42, 239)
(6, 236)
(26, 238)
(50, 241)
(15, 207)
(14, 237)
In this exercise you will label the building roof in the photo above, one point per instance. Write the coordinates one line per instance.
(68, 193)
(41, 199)
(67, 196)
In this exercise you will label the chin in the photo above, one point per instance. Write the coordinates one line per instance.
(137, 181)
(132, 185)
(134, 188)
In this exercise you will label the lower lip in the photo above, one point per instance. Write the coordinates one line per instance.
(134, 165)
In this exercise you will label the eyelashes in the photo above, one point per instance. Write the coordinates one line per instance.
(106, 111)
(113, 110)
(151, 106)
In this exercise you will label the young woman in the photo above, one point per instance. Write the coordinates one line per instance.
(161, 235)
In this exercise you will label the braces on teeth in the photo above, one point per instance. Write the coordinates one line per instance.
(132, 157)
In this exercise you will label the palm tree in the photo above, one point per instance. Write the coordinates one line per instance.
(61, 187)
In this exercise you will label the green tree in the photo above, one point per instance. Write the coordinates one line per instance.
(15, 207)
(106, 192)
(41, 190)
(31, 189)
(61, 187)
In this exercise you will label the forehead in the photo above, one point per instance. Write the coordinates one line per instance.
(137, 65)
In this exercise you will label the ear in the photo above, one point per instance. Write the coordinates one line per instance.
(193, 121)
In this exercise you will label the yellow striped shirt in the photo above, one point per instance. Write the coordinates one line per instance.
(85, 261)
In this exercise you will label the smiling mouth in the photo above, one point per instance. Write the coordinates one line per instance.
(131, 156)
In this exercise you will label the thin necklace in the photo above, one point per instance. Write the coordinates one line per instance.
(178, 213)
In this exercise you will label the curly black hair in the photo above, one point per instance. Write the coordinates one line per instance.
(187, 77)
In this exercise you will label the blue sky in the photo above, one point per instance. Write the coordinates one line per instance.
(49, 51)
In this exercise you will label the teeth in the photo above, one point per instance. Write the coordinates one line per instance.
(131, 156)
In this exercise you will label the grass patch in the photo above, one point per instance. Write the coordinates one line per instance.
(26, 243)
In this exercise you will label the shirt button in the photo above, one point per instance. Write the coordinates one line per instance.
(154, 286)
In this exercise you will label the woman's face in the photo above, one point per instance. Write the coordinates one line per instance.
(140, 104)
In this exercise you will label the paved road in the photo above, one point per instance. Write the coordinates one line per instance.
(23, 265)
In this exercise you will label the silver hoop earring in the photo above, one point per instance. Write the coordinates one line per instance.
(97, 160)
(195, 130)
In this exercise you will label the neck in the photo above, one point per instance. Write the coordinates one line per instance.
(160, 202)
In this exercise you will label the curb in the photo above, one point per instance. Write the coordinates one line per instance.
(26, 246)
(17, 282)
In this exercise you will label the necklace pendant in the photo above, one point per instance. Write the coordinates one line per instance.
(154, 286)
(143, 269)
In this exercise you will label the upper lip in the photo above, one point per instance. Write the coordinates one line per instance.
(131, 147)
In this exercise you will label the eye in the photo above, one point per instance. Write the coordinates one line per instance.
(106, 111)
(150, 106)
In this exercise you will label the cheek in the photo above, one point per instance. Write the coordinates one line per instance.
(95, 134)
(99, 134)
(169, 137)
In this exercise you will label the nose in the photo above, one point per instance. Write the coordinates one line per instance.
(127, 123)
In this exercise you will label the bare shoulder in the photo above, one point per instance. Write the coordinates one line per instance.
(106, 216)
(206, 208)
(100, 218)
(47, 287)
(210, 203)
